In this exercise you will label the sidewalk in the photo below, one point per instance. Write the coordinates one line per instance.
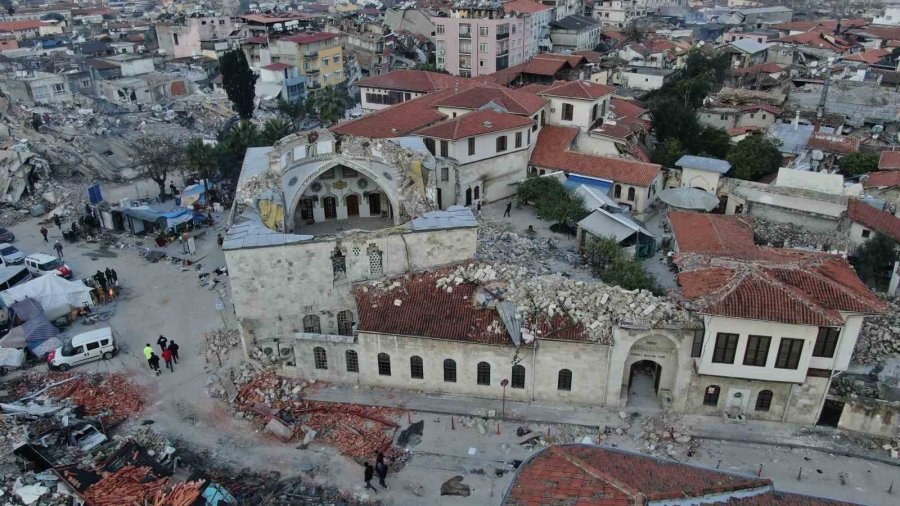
(702, 427)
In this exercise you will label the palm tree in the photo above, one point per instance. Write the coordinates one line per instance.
(292, 111)
(200, 158)
(331, 104)
(275, 129)
(233, 146)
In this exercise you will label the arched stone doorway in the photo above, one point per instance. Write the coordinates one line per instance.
(648, 375)
(374, 204)
(643, 384)
(353, 205)
(330, 205)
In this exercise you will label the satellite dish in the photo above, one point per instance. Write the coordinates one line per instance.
(818, 155)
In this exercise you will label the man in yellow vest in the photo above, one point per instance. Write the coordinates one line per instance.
(148, 353)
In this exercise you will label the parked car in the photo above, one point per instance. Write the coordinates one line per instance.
(87, 347)
(12, 276)
(7, 235)
(41, 263)
(10, 254)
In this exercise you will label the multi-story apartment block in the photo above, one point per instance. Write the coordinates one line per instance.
(537, 18)
(619, 13)
(182, 37)
(479, 38)
(318, 56)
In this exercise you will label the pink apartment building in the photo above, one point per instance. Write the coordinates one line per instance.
(478, 38)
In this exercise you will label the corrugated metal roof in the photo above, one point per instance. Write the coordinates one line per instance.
(704, 163)
(453, 217)
(250, 232)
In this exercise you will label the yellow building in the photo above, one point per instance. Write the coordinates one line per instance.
(318, 56)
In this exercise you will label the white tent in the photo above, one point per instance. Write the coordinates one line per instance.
(51, 291)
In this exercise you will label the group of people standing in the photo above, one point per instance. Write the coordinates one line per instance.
(380, 469)
(107, 278)
(169, 351)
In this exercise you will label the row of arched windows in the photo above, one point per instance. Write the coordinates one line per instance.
(711, 398)
(417, 369)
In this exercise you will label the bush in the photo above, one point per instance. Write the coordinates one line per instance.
(610, 264)
(552, 201)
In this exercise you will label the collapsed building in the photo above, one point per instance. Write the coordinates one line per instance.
(406, 298)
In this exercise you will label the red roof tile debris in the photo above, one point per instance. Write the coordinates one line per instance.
(309, 38)
(889, 160)
(882, 179)
(420, 81)
(514, 101)
(591, 475)
(762, 68)
(553, 151)
(787, 286)
(762, 107)
(880, 32)
(833, 144)
(585, 90)
(875, 219)
(742, 130)
(397, 120)
(827, 25)
(475, 123)
(28, 24)
(426, 310)
(707, 233)
(817, 40)
(871, 56)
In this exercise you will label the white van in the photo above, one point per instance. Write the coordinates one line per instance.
(94, 345)
(13, 275)
(41, 263)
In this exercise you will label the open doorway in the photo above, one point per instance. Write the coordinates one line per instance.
(643, 384)
(831, 413)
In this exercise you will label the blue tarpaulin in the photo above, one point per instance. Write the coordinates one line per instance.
(94, 194)
(574, 180)
(176, 217)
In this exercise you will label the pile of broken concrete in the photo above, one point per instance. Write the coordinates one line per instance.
(879, 338)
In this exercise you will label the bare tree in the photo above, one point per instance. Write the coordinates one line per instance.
(156, 158)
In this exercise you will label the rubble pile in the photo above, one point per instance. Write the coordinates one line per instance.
(276, 404)
(128, 485)
(499, 243)
(595, 305)
(255, 186)
(112, 397)
(879, 338)
(665, 436)
(218, 343)
(789, 235)
(854, 385)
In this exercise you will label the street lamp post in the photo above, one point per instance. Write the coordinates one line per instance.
(503, 384)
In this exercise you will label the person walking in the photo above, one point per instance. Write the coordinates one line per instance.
(148, 353)
(184, 241)
(381, 469)
(508, 209)
(162, 342)
(174, 349)
(44, 233)
(115, 276)
(368, 473)
(154, 362)
(58, 247)
(167, 357)
(220, 240)
(100, 278)
(57, 221)
(109, 277)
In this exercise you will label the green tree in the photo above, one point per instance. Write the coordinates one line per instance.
(233, 145)
(714, 142)
(700, 75)
(551, 200)
(155, 158)
(857, 164)
(200, 158)
(610, 263)
(239, 82)
(331, 104)
(668, 152)
(275, 129)
(754, 157)
(875, 259)
(674, 119)
(292, 111)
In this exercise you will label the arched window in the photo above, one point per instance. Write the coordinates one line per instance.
(594, 113)
(416, 370)
(384, 364)
(484, 373)
(319, 357)
(764, 400)
(711, 397)
(631, 194)
(564, 382)
(477, 193)
(376, 267)
(338, 264)
(617, 191)
(345, 323)
(518, 376)
(352, 360)
(468, 196)
(311, 324)
(450, 371)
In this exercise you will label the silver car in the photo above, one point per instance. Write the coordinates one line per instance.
(11, 254)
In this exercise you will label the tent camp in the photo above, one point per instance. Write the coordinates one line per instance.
(37, 334)
(55, 294)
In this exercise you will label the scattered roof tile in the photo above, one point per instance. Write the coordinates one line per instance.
(762, 107)
(818, 40)
(876, 219)
(475, 123)
(762, 68)
(553, 151)
(833, 144)
(871, 56)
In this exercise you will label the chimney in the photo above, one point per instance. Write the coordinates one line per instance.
(487, 124)
(796, 121)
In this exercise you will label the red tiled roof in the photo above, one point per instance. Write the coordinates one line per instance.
(534, 88)
(525, 6)
(592, 56)
(871, 56)
(762, 107)
(309, 38)
(617, 131)
(475, 123)
(428, 311)
(706, 233)
(817, 39)
(787, 286)
(420, 81)
(883, 179)
(585, 90)
(544, 66)
(28, 24)
(762, 68)
(626, 108)
(875, 219)
(514, 101)
(880, 32)
(889, 160)
(833, 144)
(552, 151)
(828, 25)
(596, 476)
(278, 66)
(741, 130)
(397, 120)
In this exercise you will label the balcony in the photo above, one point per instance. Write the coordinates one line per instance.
(502, 36)
(311, 55)
(465, 34)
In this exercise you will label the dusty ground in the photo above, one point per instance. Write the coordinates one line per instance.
(160, 299)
